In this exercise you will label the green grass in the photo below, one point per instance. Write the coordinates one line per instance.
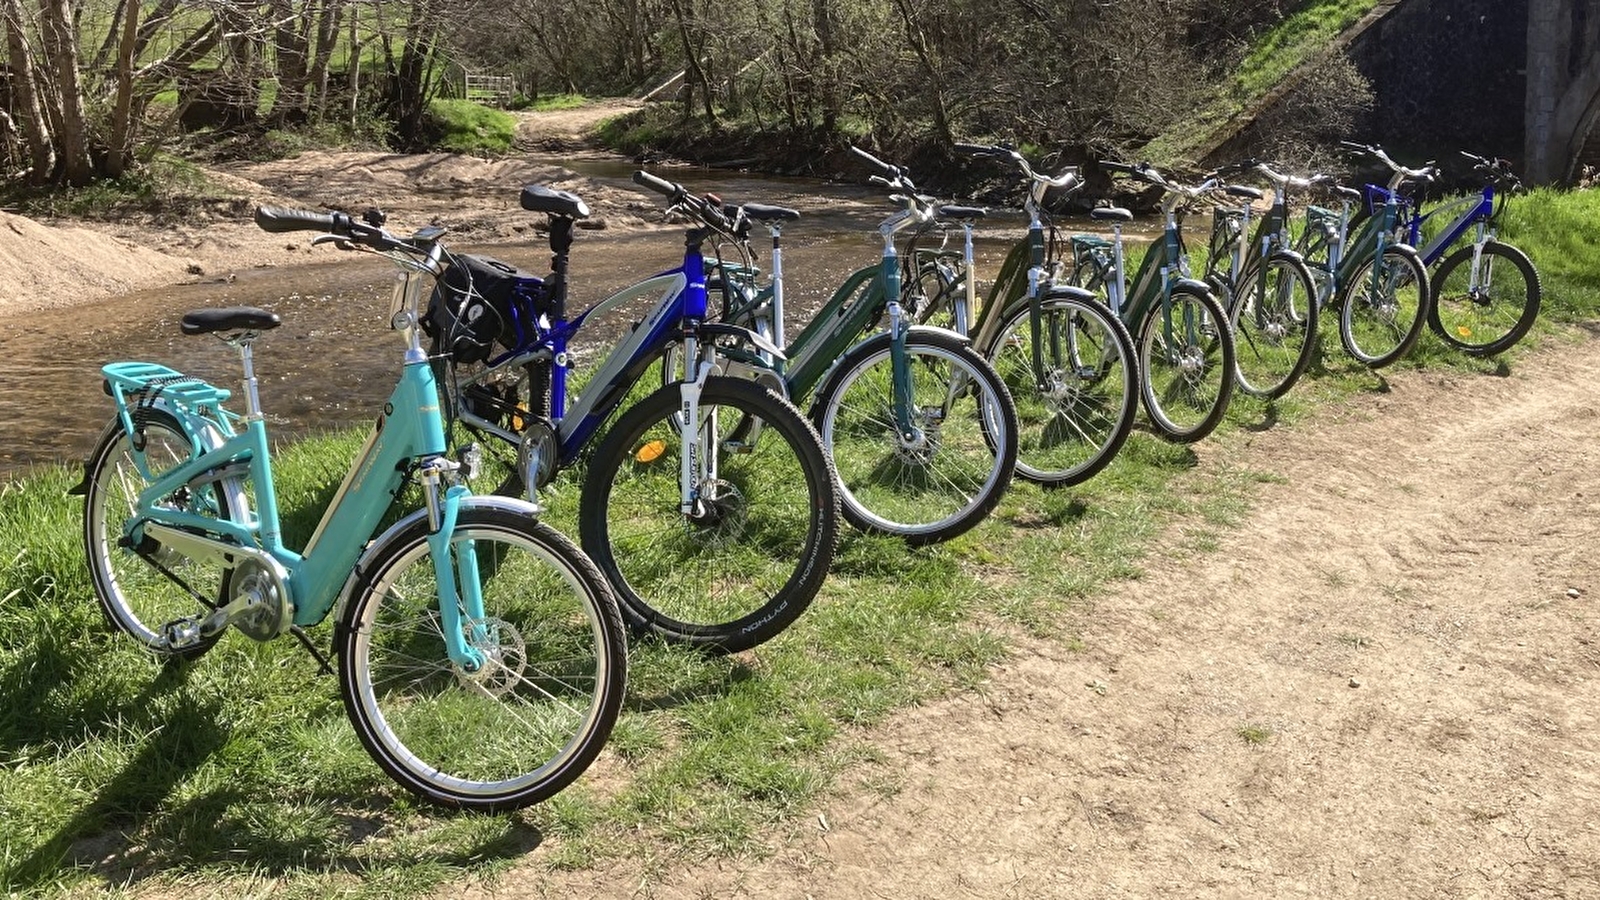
(1273, 55)
(554, 102)
(242, 765)
(467, 127)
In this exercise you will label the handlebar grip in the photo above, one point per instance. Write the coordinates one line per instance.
(276, 220)
(888, 170)
(660, 185)
(981, 151)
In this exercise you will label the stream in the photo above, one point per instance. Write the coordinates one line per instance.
(332, 362)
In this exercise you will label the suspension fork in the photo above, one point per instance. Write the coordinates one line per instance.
(969, 296)
(697, 453)
(1036, 276)
(455, 569)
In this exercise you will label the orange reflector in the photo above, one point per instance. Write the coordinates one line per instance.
(1464, 331)
(651, 451)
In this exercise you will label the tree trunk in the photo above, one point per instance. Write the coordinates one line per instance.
(61, 47)
(26, 101)
(120, 152)
(289, 42)
(327, 38)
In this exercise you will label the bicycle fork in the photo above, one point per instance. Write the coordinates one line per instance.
(455, 570)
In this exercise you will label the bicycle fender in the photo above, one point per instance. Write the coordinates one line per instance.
(1069, 292)
(1194, 284)
(744, 335)
(1286, 253)
(915, 330)
(377, 545)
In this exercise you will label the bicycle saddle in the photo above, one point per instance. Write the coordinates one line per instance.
(1110, 214)
(1242, 190)
(538, 198)
(962, 212)
(229, 318)
(761, 212)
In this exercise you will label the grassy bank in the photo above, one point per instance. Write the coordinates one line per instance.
(242, 767)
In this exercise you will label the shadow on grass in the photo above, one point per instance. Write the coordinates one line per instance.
(1268, 421)
(713, 681)
(176, 748)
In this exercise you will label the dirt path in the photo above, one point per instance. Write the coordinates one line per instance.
(1405, 625)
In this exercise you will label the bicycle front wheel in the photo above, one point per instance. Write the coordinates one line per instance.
(1186, 364)
(753, 551)
(949, 471)
(527, 722)
(1274, 319)
(1075, 415)
(137, 597)
(1383, 314)
(1486, 311)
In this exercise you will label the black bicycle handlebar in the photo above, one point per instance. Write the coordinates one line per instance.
(277, 220)
(660, 185)
(890, 172)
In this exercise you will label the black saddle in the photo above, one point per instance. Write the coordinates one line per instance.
(538, 198)
(962, 212)
(229, 318)
(760, 212)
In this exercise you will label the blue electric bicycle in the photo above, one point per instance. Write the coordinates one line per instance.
(1486, 293)
(480, 655)
(712, 533)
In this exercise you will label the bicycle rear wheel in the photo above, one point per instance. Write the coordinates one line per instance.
(136, 597)
(1187, 364)
(528, 721)
(1380, 319)
(944, 477)
(1074, 416)
(747, 561)
(1486, 312)
(1274, 320)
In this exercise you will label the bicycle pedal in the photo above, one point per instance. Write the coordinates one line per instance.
(180, 634)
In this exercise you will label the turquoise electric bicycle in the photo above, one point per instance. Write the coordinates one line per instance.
(481, 657)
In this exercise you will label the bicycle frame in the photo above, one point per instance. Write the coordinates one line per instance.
(408, 436)
(1474, 211)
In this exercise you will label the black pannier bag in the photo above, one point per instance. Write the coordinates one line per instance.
(473, 307)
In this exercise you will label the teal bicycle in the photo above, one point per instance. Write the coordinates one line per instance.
(1187, 359)
(921, 429)
(481, 657)
(1067, 360)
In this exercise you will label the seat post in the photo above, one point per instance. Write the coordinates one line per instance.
(252, 396)
(560, 245)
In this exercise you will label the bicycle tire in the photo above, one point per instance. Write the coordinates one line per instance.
(450, 736)
(135, 597)
(664, 566)
(1187, 386)
(1274, 331)
(1092, 397)
(1380, 330)
(1475, 321)
(888, 488)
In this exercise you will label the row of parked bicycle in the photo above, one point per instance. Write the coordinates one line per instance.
(481, 654)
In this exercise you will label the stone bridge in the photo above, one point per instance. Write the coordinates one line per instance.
(1518, 79)
(1563, 88)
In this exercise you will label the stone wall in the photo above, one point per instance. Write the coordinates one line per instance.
(1447, 75)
